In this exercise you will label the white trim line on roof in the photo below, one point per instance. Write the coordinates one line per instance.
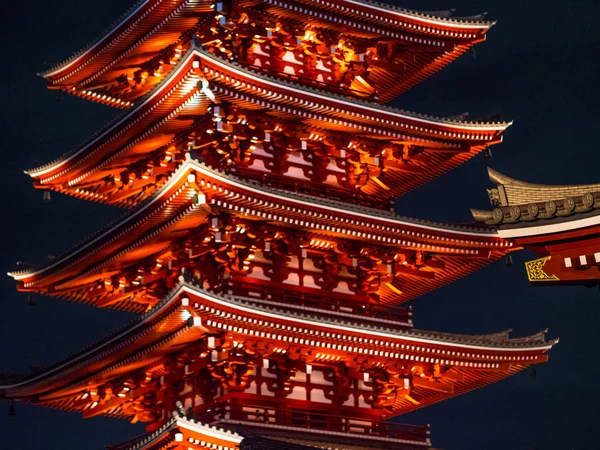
(348, 104)
(61, 68)
(417, 18)
(192, 164)
(308, 310)
(131, 112)
(333, 433)
(208, 430)
(190, 290)
(245, 309)
(548, 229)
(332, 208)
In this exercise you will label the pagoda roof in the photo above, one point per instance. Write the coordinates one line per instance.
(528, 209)
(181, 431)
(172, 108)
(152, 26)
(172, 326)
(442, 19)
(190, 433)
(148, 229)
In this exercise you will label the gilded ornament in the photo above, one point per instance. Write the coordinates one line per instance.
(569, 204)
(533, 210)
(497, 215)
(550, 208)
(515, 212)
(535, 270)
(587, 200)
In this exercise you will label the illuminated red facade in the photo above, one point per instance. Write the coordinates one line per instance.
(259, 168)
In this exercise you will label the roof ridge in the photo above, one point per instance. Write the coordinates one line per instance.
(144, 439)
(111, 224)
(343, 205)
(501, 179)
(161, 309)
(490, 339)
(419, 15)
(427, 14)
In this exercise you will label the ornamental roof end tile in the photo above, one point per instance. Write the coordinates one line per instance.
(498, 178)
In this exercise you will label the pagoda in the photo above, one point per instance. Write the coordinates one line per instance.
(258, 166)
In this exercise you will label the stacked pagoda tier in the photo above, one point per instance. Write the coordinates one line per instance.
(276, 132)
(259, 169)
(238, 236)
(273, 368)
(357, 48)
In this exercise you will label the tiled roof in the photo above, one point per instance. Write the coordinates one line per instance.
(82, 359)
(518, 201)
(195, 49)
(350, 208)
(441, 19)
(447, 18)
(162, 433)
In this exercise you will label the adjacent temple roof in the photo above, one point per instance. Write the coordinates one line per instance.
(177, 112)
(189, 313)
(549, 208)
(151, 29)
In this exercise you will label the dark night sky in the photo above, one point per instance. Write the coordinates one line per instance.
(539, 68)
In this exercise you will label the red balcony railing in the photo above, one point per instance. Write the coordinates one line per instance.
(305, 419)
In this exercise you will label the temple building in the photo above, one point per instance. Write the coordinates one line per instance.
(241, 236)
(258, 167)
(275, 368)
(559, 223)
